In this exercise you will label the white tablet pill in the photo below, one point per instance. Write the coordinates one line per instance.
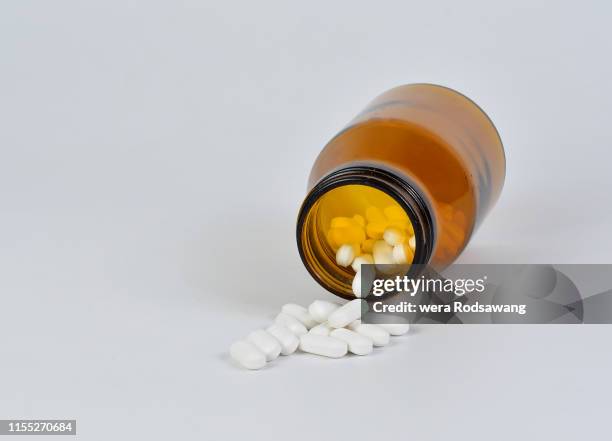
(395, 328)
(287, 339)
(321, 309)
(412, 243)
(347, 313)
(378, 335)
(266, 343)
(247, 355)
(356, 286)
(345, 255)
(321, 329)
(290, 322)
(323, 345)
(394, 236)
(364, 259)
(383, 253)
(357, 343)
(402, 254)
(300, 313)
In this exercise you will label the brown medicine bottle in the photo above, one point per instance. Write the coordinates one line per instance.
(425, 148)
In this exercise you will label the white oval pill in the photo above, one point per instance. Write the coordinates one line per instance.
(347, 313)
(345, 255)
(293, 324)
(364, 259)
(323, 345)
(300, 313)
(247, 354)
(266, 343)
(356, 286)
(321, 329)
(287, 339)
(321, 309)
(378, 335)
(402, 254)
(357, 343)
(383, 253)
(395, 328)
(394, 236)
(412, 242)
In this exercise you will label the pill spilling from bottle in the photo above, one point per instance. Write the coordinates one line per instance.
(379, 237)
(324, 328)
(382, 237)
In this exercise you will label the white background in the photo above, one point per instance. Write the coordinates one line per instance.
(153, 156)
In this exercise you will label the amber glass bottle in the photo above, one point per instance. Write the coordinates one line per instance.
(425, 148)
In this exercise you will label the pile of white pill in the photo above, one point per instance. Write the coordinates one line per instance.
(324, 328)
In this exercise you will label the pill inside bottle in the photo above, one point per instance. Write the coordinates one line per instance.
(346, 226)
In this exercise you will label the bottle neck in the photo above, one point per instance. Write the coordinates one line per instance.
(403, 192)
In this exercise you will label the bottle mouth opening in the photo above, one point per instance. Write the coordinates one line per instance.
(343, 196)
